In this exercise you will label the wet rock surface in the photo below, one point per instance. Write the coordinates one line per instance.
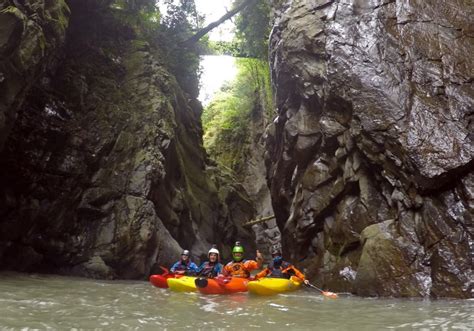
(370, 159)
(31, 34)
(103, 173)
(253, 179)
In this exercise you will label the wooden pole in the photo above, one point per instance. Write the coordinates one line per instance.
(258, 220)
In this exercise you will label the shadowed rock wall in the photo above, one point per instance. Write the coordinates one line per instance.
(30, 35)
(370, 159)
(103, 173)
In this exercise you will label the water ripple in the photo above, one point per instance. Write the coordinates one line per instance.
(37, 302)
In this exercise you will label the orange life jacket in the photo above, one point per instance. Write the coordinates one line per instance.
(238, 269)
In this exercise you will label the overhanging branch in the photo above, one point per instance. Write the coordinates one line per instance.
(221, 20)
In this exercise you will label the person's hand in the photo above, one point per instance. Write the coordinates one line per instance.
(179, 272)
(306, 281)
(259, 255)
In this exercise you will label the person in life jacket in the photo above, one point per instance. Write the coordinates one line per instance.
(240, 267)
(212, 267)
(280, 269)
(184, 266)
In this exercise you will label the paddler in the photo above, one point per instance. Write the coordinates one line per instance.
(184, 266)
(212, 267)
(281, 269)
(239, 267)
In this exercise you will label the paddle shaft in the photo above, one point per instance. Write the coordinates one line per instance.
(325, 293)
(316, 288)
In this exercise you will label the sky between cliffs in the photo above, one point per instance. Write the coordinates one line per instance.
(213, 10)
(215, 70)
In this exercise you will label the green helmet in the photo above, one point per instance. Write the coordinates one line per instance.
(238, 249)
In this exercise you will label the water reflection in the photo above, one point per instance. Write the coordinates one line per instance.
(51, 302)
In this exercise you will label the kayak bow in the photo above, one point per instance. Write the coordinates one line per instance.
(182, 284)
(271, 286)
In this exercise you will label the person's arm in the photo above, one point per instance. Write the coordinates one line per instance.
(259, 259)
(216, 271)
(199, 269)
(253, 265)
(250, 265)
(219, 268)
(173, 268)
(262, 273)
(193, 268)
(227, 270)
(298, 274)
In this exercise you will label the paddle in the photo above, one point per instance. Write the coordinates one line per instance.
(201, 282)
(327, 294)
(165, 271)
(221, 280)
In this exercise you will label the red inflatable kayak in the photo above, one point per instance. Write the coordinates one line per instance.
(161, 280)
(222, 285)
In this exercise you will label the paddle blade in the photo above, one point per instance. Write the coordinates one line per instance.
(331, 295)
(165, 270)
(201, 282)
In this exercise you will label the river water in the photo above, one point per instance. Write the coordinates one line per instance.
(41, 302)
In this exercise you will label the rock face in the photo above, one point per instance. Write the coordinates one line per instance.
(370, 159)
(103, 173)
(30, 35)
(252, 172)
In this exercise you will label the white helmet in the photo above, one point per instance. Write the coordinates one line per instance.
(213, 250)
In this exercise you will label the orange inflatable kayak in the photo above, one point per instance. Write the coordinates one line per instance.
(222, 285)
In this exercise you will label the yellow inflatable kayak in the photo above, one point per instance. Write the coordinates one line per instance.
(182, 284)
(270, 286)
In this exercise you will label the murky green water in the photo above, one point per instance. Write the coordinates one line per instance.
(40, 302)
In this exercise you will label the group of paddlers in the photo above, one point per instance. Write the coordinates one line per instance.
(238, 267)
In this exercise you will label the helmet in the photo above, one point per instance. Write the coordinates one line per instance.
(213, 250)
(185, 252)
(238, 249)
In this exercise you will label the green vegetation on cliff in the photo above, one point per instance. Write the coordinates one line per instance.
(165, 29)
(238, 114)
(239, 105)
(253, 29)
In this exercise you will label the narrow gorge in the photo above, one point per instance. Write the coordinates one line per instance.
(367, 155)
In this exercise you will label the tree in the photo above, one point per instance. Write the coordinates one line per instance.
(253, 29)
(198, 35)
